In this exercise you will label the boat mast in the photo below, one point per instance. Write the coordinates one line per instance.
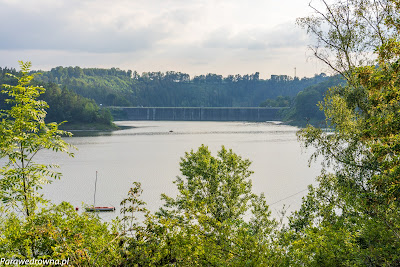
(95, 184)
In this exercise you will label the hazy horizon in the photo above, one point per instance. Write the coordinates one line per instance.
(195, 37)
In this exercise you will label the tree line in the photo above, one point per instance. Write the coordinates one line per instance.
(302, 96)
(115, 87)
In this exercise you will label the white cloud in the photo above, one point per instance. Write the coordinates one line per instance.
(281, 36)
(192, 35)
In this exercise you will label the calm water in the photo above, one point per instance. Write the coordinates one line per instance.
(150, 154)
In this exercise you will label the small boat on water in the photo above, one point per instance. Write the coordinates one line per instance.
(92, 209)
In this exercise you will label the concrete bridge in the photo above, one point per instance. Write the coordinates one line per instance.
(196, 113)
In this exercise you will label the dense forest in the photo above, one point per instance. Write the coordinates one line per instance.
(80, 95)
(64, 104)
(304, 108)
(115, 87)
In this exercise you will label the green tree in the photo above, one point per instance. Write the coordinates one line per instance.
(215, 220)
(348, 32)
(209, 214)
(353, 216)
(23, 133)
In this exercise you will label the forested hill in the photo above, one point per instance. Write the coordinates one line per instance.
(64, 105)
(304, 108)
(115, 87)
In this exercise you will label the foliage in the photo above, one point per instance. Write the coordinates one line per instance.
(353, 214)
(305, 108)
(348, 32)
(73, 108)
(214, 220)
(280, 101)
(114, 87)
(59, 232)
(23, 133)
(64, 104)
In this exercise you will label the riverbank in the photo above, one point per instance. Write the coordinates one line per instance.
(98, 127)
(89, 127)
(304, 123)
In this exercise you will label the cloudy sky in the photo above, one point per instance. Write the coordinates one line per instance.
(192, 36)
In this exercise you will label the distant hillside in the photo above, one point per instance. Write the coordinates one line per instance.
(115, 87)
(304, 108)
(65, 105)
(75, 94)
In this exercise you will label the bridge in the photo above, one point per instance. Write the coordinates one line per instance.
(196, 113)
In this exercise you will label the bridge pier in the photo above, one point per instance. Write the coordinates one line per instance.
(196, 113)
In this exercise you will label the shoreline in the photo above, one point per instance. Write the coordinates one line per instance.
(87, 127)
(79, 128)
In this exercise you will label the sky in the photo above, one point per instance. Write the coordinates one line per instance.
(191, 36)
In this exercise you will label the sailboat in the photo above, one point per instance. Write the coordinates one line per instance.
(94, 208)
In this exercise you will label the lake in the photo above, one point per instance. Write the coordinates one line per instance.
(150, 153)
